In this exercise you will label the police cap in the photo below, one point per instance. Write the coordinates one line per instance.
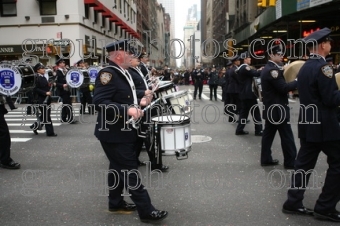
(38, 66)
(60, 61)
(143, 54)
(319, 36)
(245, 55)
(275, 49)
(122, 45)
(80, 62)
(235, 58)
(229, 63)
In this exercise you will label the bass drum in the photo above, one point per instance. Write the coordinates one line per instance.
(27, 77)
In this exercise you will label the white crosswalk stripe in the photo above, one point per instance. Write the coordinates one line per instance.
(19, 122)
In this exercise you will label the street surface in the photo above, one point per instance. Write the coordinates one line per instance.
(62, 179)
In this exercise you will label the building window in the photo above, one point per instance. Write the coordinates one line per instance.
(48, 7)
(8, 7)
(87, 11)
(103, 22)
(95, 16)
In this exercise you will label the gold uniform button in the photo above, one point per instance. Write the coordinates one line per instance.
(120, 117)
(128, 96)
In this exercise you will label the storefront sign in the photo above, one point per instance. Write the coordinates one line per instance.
(305, 4)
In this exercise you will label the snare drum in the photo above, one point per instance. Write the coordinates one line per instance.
(165, 88)
(178, 103)
(174, 133)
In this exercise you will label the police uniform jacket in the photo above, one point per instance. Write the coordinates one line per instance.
(144, 69)
(61, 80)
(274, 92)
(41, 88)
(138, 80)
(245, 77)
(320, 98)
(198, 75)
(113, 88)
(233, 84)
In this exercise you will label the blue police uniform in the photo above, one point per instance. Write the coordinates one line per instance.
(41, 88)
(319, 131)
(198, 76)
(245, 76)
(114, 92)
(276, 113)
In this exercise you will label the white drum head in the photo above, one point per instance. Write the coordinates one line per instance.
(74, 78)
(10, 79)
(170, 118)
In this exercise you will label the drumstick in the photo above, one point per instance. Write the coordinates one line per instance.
(131, 120)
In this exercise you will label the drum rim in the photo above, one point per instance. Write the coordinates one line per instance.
(186, 118)
(175, 94)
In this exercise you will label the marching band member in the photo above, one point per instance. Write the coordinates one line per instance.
(198, 76)
(245, 76)
(318, 130)
(114, 91)
(64, 92)
(5, 140)
(43, 91)
(143, 90)
(85, 92)
(232, 90)
(275, 91)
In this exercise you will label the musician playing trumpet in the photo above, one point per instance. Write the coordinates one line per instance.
(43, 94)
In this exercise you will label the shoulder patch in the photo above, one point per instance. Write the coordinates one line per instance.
(327, 70)
(274, 73)
(105, 77)
(248, 68)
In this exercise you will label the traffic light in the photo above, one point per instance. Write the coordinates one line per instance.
(272, 2)
(262, 3)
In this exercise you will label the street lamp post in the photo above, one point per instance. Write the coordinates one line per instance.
(192, 48)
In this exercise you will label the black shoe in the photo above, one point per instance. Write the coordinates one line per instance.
(200, 98)
(14, 108)
(300, 211)
(335, 216)
(52, 135)
(11, 165)
(35, 132)
(259, 134)
(272, 163)
(163, 168)
(156, 215)
(242, 133)
(288, 167)
(74, 122)
(126, 207)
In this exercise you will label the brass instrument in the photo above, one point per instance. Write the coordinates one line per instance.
(291, 71)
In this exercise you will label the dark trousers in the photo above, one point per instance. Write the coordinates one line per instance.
(122, 156)
(306, 160)
(287, 142)
(86, 98)
(67, 112)
(10, 102)
(5, 141)
(199, 88)
(45, 119)
(246, 106)
(213, 88)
